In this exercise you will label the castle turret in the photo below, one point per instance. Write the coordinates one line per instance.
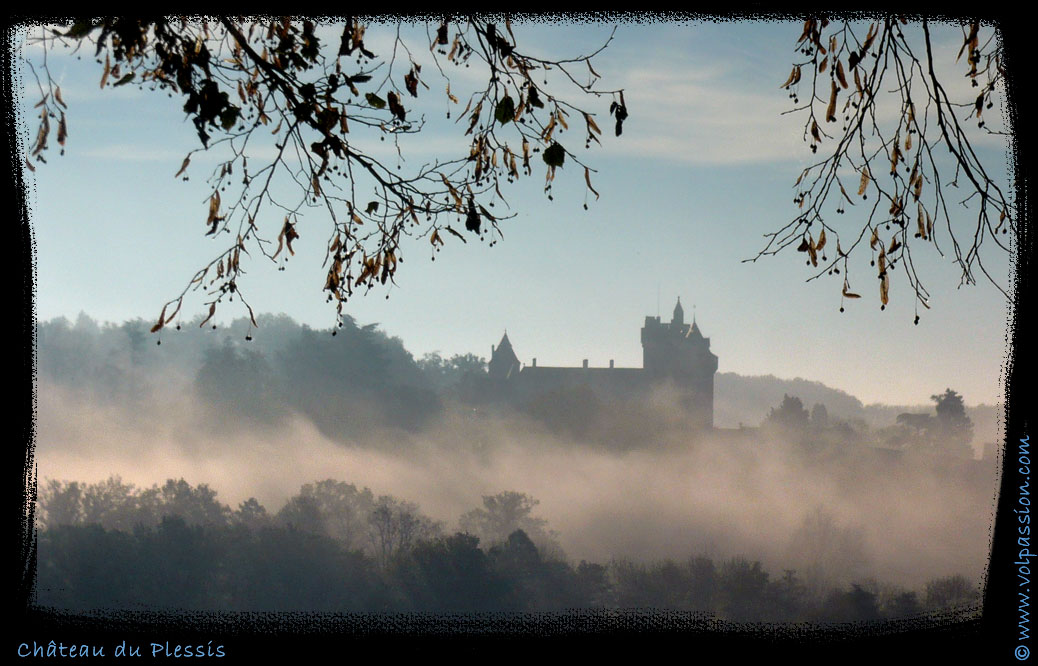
(504, 364)
(679, 315)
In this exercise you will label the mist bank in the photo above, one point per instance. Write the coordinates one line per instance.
(838, 513)
(356, 378)
(812, 491)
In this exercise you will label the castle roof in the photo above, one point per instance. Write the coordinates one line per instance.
(503, 362)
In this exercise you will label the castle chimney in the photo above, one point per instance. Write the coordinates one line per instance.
(535, 363)
(610, 363)
(585, 364)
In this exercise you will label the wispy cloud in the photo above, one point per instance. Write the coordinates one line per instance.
(704, 115)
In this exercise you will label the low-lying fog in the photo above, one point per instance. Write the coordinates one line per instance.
(838, 514)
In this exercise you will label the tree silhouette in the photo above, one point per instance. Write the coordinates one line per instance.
(895, 137)
(790, 415)
(954, 430)
(949, 592)
(321, 91)
(503, 514)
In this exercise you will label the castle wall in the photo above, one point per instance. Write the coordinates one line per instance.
(673, 352)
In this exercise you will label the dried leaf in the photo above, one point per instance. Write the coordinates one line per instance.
(830, 114)
(971, 39)
(214, 213)
(411, 83)
(162, 320)
(290, 234)
(884, 289)
(62, 130)
(173, 314)
(808, 26)
(212, 311)
(591, 124)
(107, 71)
(454, 193)
(821, 241)
(864, 182)
(869, 38)
(840, 75)
(587, 179)
(183, 166)
(395, 107)
(475, 118)
(546, 134)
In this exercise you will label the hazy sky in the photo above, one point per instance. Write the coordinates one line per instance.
(705, 166)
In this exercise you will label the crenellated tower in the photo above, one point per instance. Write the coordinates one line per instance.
(678, 352)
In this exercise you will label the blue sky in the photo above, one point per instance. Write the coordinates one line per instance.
(705, 166)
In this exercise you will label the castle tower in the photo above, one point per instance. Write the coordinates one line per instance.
(504, 364)
(679, 353)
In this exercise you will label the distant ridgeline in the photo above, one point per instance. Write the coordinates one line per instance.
(673, 353)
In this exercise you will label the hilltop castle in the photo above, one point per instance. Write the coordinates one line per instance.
(673, 352)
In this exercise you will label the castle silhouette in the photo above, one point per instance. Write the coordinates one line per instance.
(672, 353)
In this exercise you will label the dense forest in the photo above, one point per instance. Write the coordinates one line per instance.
(334, 547)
